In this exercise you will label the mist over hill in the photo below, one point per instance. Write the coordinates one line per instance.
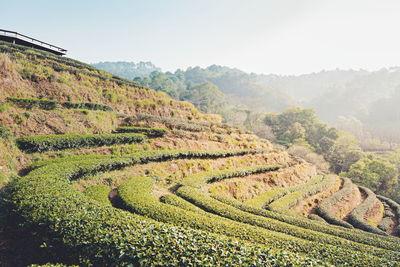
(353, 100)
(129, 70)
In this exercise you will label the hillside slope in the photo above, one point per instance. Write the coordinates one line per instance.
(99, 171)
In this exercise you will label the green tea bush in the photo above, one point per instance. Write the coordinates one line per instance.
(143, 157)
(150, 132)
(199, 179)
(171, 123)
(315, 217)
(179, 202)
(395, 212)
(264, 199)
(285, 203)
(355, 235)
(98, 193)
(356, 216)
(135, 195)
(41, 143)
(324, 208)
(48, 104)
(5, 133)
(98, 235)
(30, 103)
(200, 199)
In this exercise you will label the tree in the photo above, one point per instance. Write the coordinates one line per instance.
(343, 153)
(374, 172)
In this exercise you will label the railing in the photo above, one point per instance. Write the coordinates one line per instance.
(32, 40)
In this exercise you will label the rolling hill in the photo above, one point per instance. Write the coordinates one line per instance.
(99, 171)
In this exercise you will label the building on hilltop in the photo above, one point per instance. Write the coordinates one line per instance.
(20, 39)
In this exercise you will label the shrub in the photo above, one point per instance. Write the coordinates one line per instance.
(290, 200)
(356, 217)
(172, 123)
(48, 104)
(264, 199)
(179, 202)
(104, 236)
(98, 193)
(150, 132)
(315, 217)
(41, 143)
(198, 180)
(5, 133)
(356, 235)
(324, 208)
(30, 103)
(200, 199)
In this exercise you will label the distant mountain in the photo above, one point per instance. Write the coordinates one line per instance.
(129, 70)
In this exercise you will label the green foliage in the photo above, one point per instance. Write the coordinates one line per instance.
(343, 153)
(5, 133)
(179, 202)
(375, 173)
(211, 205)
(387, 220)
(41, 143)
(98, 193)
(315, 217)
(298, 124)
(172, 123)
(290, 200)
(136, 196)
(350, 234)
(103, 236)
(48, 104)
(324, 208)
(198, 180)
(356, 216)
(150, 132)
(266, 198)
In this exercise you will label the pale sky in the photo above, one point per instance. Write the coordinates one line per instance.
(262, 36)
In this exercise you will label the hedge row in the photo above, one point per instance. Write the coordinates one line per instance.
(150, 132)
(285, 203)
(179, 202)
(49, 104)
(98, 193)
(136, 196)
(315, 217)
(395, 207)
(97, 235)
(143, 157)
(324, 208)
(356, 216)
(264, 199)
(386, 242)
(171, 123)
(201, 178)
(41, 143)
(200, 199)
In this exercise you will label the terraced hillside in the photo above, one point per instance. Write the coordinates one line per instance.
(97, 171)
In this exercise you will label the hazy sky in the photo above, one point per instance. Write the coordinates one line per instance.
(262, 36)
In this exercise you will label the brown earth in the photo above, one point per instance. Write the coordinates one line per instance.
(308, 205)
(342, 208)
